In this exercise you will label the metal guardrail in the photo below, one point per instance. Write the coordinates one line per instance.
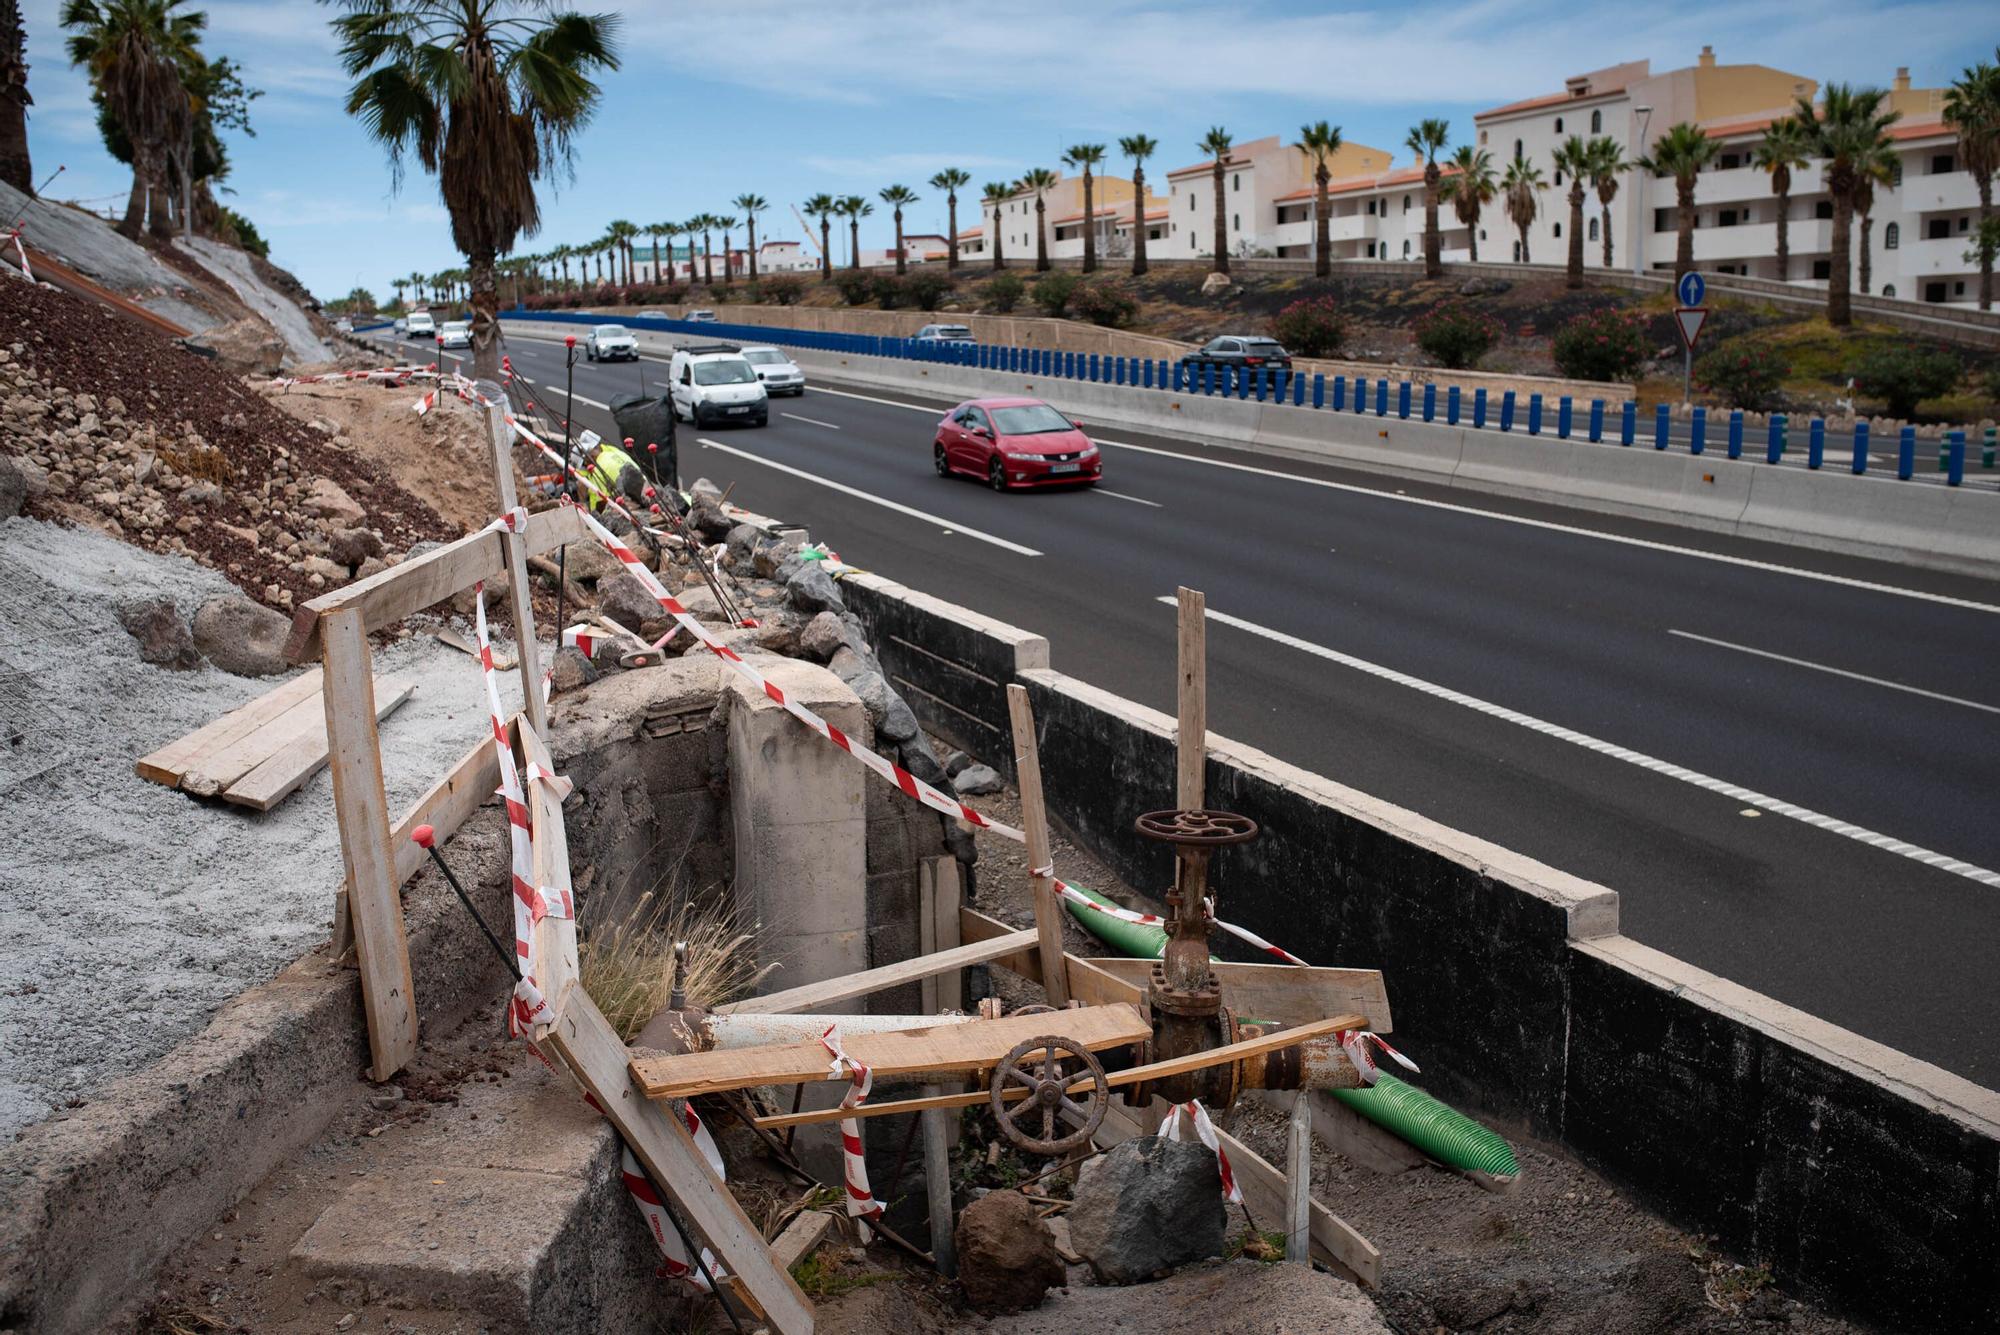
(1596, 420)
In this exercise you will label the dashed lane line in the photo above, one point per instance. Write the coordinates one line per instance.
(1834, 671)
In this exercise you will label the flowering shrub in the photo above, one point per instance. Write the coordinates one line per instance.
(1003, 294)
(1456, 335)
(1603, 345)
(1053, 292)
(639, 294)
(1743, 374)
(1903, 375)
(927, 287)
(1102, 304)
(889, 291)
(1311, 327)
(783, 289)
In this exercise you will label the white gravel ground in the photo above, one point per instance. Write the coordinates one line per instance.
(233, 267)
(129, 912)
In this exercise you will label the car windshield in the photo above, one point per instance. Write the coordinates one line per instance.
(764, 357)
(1263, 347)
(611, 331)
(733, 371)
(952, 331)
(458, 327)
(1034, 419)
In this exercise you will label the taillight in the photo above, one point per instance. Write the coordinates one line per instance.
(1256, 361)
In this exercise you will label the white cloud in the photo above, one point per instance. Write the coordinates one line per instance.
(919, 167)
(285, 209)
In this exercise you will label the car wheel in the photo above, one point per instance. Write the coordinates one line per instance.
(938, 461)
(764, 419)
(996, 475)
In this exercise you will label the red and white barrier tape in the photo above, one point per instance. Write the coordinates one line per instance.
(1354, 1042)
(1191, 1115)
(674, 1263)
(861, 1204)
(21, 250)
(1081, 900)
(394, 375)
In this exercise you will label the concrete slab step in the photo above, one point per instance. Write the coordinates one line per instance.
(506, 1206)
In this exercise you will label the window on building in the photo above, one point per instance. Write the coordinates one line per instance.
(1938, 229)
(1406, 249)
(1958, 289)
(1517, 150)
(1729, 161)
(1371, 250)
(1888, 289)
(1593, 229)
(1963, 223)
(1235, 222)
(1559, 125)
(1823, 209)
(1236, 181)
(1933, 291)
(1406, 203)
(1661, 223)
(1725, 218)
(1371, 208)
(1190, 203)
(1597, 122)
(1559, 230)
(1892, 236)
(1559, 176)
(1822, 270)
(1896, 174)
(1482, 234)
(1942, 162)
(1517, 252)
(1482, 138)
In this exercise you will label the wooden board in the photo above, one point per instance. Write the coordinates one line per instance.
(1191, 727)
(806, 1231)
(584, 1041)
(361, 809)
(1035, 825)
(445, 807)
(303, 755)
(1087, 983)
(1286, 993)
(520, 594)
(555, 938)
(939, 1050)
(453, 638)
(167, 764)
(811, 996)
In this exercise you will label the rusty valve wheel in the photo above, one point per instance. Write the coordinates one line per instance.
(1049, 1094)
(1196, 828)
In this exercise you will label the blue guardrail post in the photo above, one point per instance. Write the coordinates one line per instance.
(1628, 422)
(1430, 403)
(1663, 425)
(1774, 446)
(1698, 431)
(1403, 400)
(1382, 397)
(1339, 393)
(1452, 396)
(1736, 433)
(1861, 446)
(1298, 388)
(1534, 414)
(1955, 474)
(1479, 409)
(1596, 420)
(1361, 394)
(1319, 390)
(1565, 414)
(1507, 410)
(1816, 443)
(1906, 454)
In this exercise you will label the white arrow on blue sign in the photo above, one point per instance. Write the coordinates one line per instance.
(1691, 289)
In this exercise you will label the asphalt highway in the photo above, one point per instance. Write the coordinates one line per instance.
(1783, 761)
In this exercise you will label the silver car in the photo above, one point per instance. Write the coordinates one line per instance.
(780, 374)
(611, 343)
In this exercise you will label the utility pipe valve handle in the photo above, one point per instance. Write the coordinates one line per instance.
(1196, 829)
(1042, 1066)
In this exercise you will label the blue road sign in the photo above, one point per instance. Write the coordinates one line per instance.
(1691, 289)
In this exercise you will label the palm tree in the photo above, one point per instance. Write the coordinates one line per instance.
(996, 193)
(823, 207)
(1606, 164)
(1848, 128)
(854, 208)
(1427, 139)
(1039, 180)
(725, 223)
(15, 167)
(1138, 147)
(1781, 152)
(621, 233)
(752, 205)
(490, 96)
(951, 180)
(416, 281)
(1573, 156)
(896, 197)
(139, 55)
(654, 231)
(1217, 143)
(1972, 108)
(1319, 142)
(1878, 168)
(1470, 188)
(704, 224)
(401, 285)
(1681, 153)
(1084, 157)
(1522, 186)
(560, 255)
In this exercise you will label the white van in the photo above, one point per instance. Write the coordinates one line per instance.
(421, 326)
(712, 383)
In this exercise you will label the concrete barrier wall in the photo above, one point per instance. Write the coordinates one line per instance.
(1863, 1175)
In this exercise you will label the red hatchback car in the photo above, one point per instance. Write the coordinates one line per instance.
(1014, 443)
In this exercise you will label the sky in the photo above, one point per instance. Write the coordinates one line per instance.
(787, 98)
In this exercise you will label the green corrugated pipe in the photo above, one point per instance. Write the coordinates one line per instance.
(1440, 1131)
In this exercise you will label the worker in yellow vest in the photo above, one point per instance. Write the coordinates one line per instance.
(607, 470)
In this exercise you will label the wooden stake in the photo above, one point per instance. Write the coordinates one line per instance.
(519, 593)
(937, 1182)
(1191, 739)
(1298, 1180)
(361, 809)
(939, 896)
(1035, 823)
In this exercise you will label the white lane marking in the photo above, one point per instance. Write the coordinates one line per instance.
(810, 421)
(1735, 792)
(949, 526)
(888, 403)
(1121, 496)
(1546, 524)
(1838, 672)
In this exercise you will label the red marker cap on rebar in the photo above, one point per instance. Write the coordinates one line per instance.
(569, 340)
(652, 447)
(425, 836)
(628, 440)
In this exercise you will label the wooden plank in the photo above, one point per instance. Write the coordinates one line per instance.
(939, 1049)
(1087, 983)
(1191, 733)
(1334, 1243)
(362, 811)
(168, 763)
(208, 776)
(806, 1231)
(446, 806)
(1035, 823)
(938, 1140)
(941, 893)
(520, 594)
(554, 950)
(1286, 993)
(1249, 1047)
(287, 769)
(1298, 1180)
(585, 1042)
(422, 581)
(811, 996)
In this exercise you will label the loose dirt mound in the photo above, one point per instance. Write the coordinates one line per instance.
(150, 441)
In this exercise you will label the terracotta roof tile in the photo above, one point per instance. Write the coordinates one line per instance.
(1549, 100)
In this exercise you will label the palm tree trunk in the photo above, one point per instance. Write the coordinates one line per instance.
(1138, 221)
(1472, 238)
(1684, 244)
(854, 243)
(902, 258)
(708, 260)
(1575, 275)
(656, 259)
(135, 207)
(1041, 238)
(727, 267)
(1839, 306)
(1985, 184)
(15, 168)
(1089, 226)
(1322, 225)
(825, 249)
(752, 244)
(1433, 242)
(485, 318)
(1784, 235)
(999, 258)
(1867, 226)
(951, 252)
(1221, 227)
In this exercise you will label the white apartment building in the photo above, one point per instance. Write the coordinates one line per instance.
(1257, 176)
(784, 257)
(1013, 220)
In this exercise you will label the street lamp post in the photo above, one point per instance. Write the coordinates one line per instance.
(1641, 228)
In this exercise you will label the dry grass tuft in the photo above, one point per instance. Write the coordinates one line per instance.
(627, 966)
